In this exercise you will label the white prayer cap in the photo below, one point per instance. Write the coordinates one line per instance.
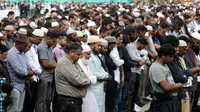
(182, 43)
(118, 12)
(107, 15)
(149, 28)
(91, 23)
(197, 29)
(121, 9)
(38, 33)
(196, 35)
(22, 31)
(86, 48)
(59, 17)
(33, 25)
(45, 30)
(79, 34)
(99, 8)
(70, 31)
(9, 28)
(127, 10)
(104, 42)
(148, 10)
(54, 24)
(1, 35)
(159, 14)
(93, 39)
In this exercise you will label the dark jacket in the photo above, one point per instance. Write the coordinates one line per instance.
(128, 64)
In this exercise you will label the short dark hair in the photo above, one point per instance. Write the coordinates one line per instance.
(140, 28)
(142, 41)
(166, 50)
(10, 13)
(172, 40)
(72, 16)
(3, 48)
(73, 46)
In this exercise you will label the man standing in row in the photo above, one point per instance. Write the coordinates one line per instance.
(71, 81)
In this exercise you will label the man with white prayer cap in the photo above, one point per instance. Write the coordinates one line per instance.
(89, 101)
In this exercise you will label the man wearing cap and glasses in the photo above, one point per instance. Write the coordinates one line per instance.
(19, 71)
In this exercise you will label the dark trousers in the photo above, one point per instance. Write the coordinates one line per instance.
(125, 90)
(111, 95)
(69, 104)
(30, 97)
(133, 92)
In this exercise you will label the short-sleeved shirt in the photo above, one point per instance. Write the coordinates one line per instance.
(159, 73)
(45, 53)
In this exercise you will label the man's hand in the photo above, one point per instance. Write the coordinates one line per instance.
(4, 95)
(30, 72)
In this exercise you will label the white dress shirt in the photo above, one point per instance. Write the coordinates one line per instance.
(33, 62)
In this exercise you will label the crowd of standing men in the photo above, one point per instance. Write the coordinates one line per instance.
(84, 57)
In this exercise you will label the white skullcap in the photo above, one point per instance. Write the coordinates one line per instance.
(121, 9)
(79, 34)
(93, 39)
(45, 30)
(107, 15)
(159, 14)
(1, 35)
(59, 17)
(182, 43)
(196, 35)
(91, 23)
(22, 31)
(70, 31)
(54, 24)
(149, 28)
(33, 25)
(38, 33)
(104, 42)
(86, 48)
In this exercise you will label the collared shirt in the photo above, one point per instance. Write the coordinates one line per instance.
(70, 79)
(58, 52)
(17, 68)
(135, 56)
(33, 62)
(45, 53)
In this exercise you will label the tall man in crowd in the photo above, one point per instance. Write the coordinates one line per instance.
(48, 64)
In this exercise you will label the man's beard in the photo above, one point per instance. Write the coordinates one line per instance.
(95, 52)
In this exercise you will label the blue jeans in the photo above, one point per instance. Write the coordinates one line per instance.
(124, 95)
(118, 97)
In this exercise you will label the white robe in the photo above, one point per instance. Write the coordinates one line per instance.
(89, 101)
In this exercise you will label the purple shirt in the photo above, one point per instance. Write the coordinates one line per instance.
(58, 52)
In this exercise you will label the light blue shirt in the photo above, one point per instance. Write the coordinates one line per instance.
(17, 68)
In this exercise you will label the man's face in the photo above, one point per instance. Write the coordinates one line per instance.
(97, 47)
(63, 42)
(182, 50)
(37, 40)
(104, 49)
(119, 40)
(140, 46)
(76, 54)
(4, 55)
(168, 59)
(12, 16)
(28, 47)
(51, 41)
